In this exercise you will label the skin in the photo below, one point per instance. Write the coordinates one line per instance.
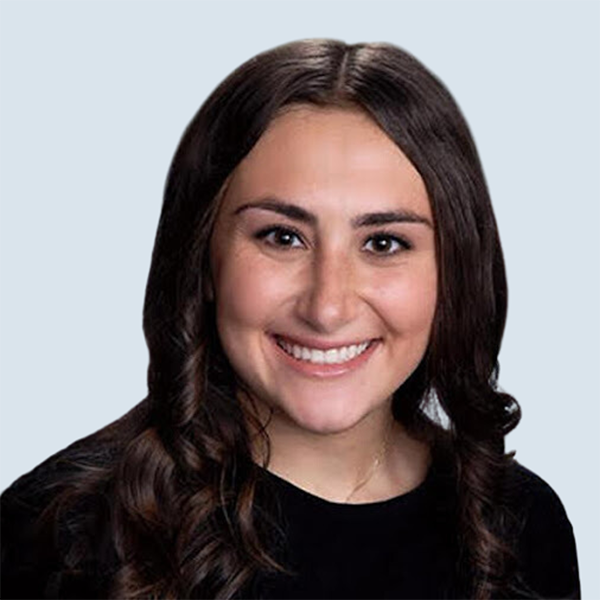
(329, 282)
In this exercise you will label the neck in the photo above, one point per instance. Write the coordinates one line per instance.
(374, 460)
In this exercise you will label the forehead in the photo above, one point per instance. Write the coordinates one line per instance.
(328, 158)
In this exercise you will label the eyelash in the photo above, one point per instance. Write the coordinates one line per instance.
(264, 234)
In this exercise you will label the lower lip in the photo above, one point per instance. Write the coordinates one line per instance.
(325, 370)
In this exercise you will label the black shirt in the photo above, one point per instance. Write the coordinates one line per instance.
(404, 547)
(398, 548)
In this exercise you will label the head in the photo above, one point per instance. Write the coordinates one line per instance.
(323, 250)
(372, 90)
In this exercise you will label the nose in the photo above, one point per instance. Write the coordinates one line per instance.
(329, 298)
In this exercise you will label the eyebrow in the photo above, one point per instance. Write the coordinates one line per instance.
(297, 213)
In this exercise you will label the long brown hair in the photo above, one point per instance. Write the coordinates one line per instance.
(181, 485)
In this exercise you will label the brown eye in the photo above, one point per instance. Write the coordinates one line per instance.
(281, 237)
(385, 244)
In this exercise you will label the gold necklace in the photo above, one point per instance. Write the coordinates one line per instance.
(372, 470)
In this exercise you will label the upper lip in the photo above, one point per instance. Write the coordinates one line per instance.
(319, 344)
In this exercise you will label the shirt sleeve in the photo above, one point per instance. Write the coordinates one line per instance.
(547, 549)
(43, 554)
(26, 563)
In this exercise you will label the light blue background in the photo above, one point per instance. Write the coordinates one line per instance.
(94, 97)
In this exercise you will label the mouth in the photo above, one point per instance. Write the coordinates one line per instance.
(324, 356)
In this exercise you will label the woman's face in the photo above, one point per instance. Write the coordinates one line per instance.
(323, 269)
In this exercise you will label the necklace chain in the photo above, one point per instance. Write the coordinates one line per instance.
(371, 471)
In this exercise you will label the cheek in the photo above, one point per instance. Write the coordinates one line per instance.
(408, 303)
(248, 292)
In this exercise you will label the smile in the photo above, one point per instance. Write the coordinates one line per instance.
(331, 356)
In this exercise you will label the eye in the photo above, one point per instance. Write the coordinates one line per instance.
(281, 237)
(385, 244)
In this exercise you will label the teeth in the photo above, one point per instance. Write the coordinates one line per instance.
(329, 357)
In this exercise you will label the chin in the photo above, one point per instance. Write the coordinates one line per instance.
(318, 418)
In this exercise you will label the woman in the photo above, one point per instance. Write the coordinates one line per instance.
(324, 312)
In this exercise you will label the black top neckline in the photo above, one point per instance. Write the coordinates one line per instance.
(298, 494)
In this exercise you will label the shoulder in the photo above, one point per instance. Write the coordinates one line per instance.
(531, 495)
(546, 548)
(28, 555)
(33, 493)
(96, 453)
(57, 516)
(535, 500)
